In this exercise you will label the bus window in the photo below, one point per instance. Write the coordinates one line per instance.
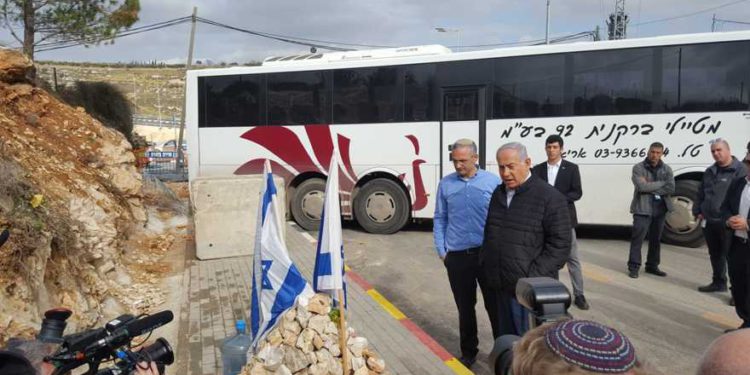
(704, 77)
(367, 95)
(612, 82)
(419, 92)
(298, 98)
(529, 86)
(232, 100)
(460, 106)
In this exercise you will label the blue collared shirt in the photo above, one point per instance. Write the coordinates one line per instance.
(461, 211)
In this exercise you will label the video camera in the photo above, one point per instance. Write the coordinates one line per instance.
(546, 300)
(109, 343)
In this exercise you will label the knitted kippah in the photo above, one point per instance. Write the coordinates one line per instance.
(591, 346)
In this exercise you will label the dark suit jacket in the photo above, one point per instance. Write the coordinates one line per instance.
(568, 182)
(731, 204)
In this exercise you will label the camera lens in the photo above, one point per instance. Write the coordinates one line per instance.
(501, 356)
(160, 352)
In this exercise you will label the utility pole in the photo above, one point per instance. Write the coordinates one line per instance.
(135, 95)
(180, 155)
(713, 23)
(618, 21)
(546, 31)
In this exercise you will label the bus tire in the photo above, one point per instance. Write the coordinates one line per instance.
(680, 228)
(307, 203)
(381, 207)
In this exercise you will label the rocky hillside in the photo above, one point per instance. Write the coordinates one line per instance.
(72, 199)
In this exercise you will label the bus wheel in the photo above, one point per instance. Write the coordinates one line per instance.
(681, 228)
(307, 203)
(381, 207)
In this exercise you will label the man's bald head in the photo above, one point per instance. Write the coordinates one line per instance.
(727, 355)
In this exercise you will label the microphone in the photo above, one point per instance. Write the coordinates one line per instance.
(131, 329)
(148, 323)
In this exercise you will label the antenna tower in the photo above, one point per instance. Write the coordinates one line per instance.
(617, 24)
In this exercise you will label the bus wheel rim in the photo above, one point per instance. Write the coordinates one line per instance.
(380, 207)
(312, 204)
(681, 219)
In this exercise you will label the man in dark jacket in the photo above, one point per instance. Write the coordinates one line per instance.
(653, 181)
(713, 189)
(566, 178)
(527, 234)
(735, 211)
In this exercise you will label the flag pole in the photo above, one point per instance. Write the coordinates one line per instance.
(343, 334)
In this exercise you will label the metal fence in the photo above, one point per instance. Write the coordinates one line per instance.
(164, 166)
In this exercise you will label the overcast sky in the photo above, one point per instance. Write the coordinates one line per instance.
(385, 22)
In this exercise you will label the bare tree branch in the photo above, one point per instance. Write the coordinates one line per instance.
(7, 22)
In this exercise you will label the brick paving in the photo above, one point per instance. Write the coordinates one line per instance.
(216, 293)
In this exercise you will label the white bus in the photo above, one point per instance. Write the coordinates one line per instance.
(391, 115)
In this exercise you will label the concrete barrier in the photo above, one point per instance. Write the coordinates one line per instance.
(225, 211)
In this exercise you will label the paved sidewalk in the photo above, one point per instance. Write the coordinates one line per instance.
(217, 293)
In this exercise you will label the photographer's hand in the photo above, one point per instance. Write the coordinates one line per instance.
(144, 368)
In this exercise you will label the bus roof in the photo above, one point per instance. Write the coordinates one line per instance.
(436, 53)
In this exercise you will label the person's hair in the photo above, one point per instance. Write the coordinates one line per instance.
(554, 138)
(518, 147)
(658, 145)
(719, 140)
(465, 142)
(532, 356)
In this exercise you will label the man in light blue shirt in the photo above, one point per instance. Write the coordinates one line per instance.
(460, 213)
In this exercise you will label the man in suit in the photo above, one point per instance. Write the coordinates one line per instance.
(735, 210)
(566, 178)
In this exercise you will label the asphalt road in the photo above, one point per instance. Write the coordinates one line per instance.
(668, 320)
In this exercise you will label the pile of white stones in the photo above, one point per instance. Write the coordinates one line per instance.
(306, 342)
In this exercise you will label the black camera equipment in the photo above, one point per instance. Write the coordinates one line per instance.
(160, 352)
(113, 341)
(546, 300)
(4, 236)
(53, 325)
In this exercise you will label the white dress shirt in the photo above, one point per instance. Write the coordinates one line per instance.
(744, 208)
(552, 170)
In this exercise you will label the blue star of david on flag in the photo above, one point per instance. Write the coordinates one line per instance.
(329, 274)
(277, 283)
(266, 283)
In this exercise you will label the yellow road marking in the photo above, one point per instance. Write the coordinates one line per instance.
(387, 305)
(457, 366)
(595, 273)
(722, 319)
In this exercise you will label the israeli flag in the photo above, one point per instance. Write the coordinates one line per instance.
(329, 275)
(277, 283)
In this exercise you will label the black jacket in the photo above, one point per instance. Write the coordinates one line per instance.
(731, 205)
(714, 186)
(568, 182)
(528, 239)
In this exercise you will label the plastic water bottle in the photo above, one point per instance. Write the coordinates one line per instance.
(234, 350)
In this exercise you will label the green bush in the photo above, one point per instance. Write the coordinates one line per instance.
(105, 102)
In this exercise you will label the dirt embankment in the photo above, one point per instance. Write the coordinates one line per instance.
(74, 203)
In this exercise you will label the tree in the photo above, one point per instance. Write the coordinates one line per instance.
(82, 21)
